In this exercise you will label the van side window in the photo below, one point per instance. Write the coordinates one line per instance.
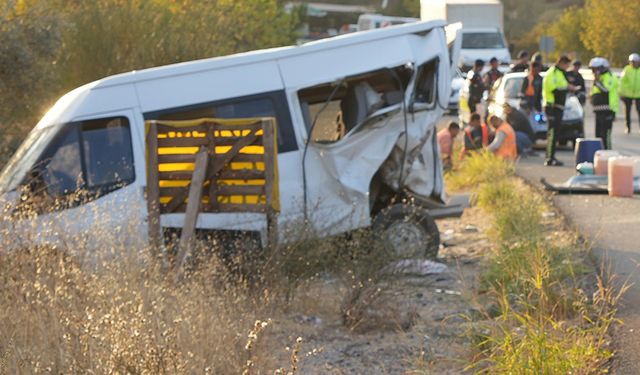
(62, 174)
(338, 107)
(272, 104)
(425, 91)
(89, 158)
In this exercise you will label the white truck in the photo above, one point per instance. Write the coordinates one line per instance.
(482, 27)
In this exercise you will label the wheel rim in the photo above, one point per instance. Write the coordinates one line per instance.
(407, 238)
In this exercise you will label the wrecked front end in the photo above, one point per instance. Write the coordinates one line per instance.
(374, 135)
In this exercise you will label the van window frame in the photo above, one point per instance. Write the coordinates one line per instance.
(400, 72)
(286, 135)
(89, 193)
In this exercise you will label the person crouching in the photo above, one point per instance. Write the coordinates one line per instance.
(445, 141)
(504, 143)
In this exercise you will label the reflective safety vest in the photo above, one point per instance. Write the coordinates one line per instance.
(630, 82)
(606, 101)
(554, 88)
(508, 149)
(468, 134)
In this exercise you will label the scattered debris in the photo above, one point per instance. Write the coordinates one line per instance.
(471, 229)
(548, 214)
(447, 235)
(450, 292)
(308, 319)
(419, 267)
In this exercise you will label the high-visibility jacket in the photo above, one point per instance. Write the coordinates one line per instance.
(630, 82)
(509, 148)
(469, 136)
(604, 93)
(554, 88)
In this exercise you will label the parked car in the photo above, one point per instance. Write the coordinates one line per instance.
(506, 91)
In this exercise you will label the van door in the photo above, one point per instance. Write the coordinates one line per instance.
(86, 187)
(453, 34)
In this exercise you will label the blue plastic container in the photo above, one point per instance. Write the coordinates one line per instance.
(586, 148)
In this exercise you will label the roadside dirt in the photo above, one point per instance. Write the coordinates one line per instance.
(418, 325)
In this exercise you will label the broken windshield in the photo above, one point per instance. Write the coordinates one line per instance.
(338, 107)
(24, 158)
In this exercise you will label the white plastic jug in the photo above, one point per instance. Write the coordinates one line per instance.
(620, 171)
(600, 160)
(636, 166)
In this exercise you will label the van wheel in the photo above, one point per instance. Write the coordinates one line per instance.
(409, 231)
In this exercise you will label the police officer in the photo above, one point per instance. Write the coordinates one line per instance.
(604, 98)
(575, 78)
(554, 94)
(630, 87)
(476, 85)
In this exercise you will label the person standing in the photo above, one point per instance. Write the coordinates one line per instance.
(532, 88)
(522, 63)
(504, 144)
(493, 74)
(445, 142)
(476, 135)
(476, 86)
(630, 88)
(604, 98)
(554, 94)
(575, 78)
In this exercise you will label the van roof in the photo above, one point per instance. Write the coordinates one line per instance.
(251, 57)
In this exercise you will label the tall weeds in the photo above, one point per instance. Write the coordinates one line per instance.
(549, 321)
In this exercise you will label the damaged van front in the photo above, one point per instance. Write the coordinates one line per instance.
(356, 122)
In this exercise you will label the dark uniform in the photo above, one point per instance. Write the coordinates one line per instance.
(605, 101)
(476, 89)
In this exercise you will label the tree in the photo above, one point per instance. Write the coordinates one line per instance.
(48, 47)
(611, 28)
(403, 8)
(567, 31)
(30, 40)
(112, 36)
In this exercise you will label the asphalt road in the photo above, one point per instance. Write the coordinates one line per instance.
(613, 227)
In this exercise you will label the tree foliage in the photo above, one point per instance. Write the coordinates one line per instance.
(611, 28)
(48, 47)
(567, 31)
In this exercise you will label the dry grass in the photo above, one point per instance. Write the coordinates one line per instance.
(117, 311)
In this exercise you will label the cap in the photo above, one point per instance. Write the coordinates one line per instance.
(577, 62)
(634, 57)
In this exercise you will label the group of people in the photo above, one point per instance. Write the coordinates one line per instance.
(549, 95)
(502, 141)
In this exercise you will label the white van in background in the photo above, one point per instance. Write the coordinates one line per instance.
(377, 21)
(482, 27)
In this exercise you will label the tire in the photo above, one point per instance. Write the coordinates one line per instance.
(409, 231)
